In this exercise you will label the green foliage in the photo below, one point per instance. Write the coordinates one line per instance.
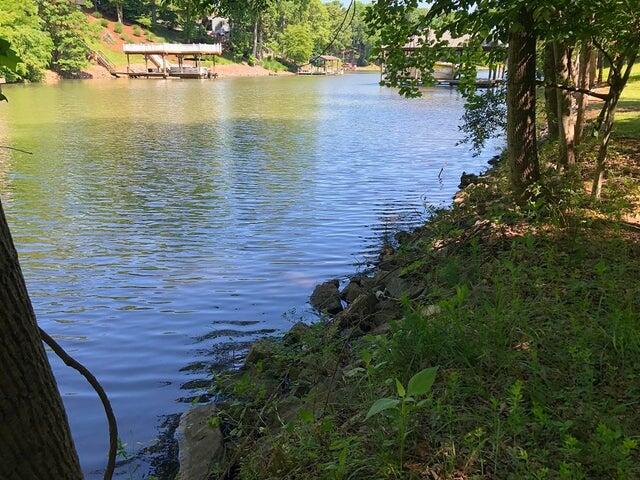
(21, 26)
(297, 43)
(118, 28)
(97, 14)
(69, 31)
(104, 22)
(137, 31)
(144, 20)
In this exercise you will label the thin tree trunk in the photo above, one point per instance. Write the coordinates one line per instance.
(593, 68)
(35, 438)
(521, 105)
(583, 82)
(154, 13)
(618, 83)
(119, 13)
(255, 38)
(550, 96)
(566, 118)
(600, 67)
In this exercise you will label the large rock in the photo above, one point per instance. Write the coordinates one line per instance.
(353, 290)
(326, 298)
(360, 312)
(397, 286)
(296, 333)
(200, 445)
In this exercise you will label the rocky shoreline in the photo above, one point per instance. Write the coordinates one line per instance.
(366, 305)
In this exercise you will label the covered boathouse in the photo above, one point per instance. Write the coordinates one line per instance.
(164, 60)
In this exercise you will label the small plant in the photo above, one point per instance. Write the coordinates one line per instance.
(118, 27)
(137, 31)
(97, 14)
(104, 22)
(144, 20)
(405, 403)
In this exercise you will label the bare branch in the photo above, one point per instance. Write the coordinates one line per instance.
(601, 96)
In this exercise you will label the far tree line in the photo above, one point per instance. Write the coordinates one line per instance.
(55, 34)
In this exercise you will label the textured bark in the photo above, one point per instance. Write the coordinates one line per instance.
(585, 83)
(521, 105)
(550, 96)
(119, 13)
(566, 106)
(35, 440)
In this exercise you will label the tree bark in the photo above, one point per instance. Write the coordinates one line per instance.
(521, 105)
(255, 38)
(119, 13)
(566, 102)
(618, 83)
(585, 83)
(550, 95)
(35, 438)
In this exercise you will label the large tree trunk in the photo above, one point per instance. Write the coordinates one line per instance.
(550, 96)
(584, 82)
(566, 101)
(522, 145)
(35, 441)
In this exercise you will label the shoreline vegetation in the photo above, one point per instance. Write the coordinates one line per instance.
(529, 314)
(498, 340)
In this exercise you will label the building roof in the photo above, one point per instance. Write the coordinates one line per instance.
(328, 57)
(173, 48)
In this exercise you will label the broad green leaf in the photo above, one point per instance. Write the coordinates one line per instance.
(422, 381)
(381, 405)
(400, 388)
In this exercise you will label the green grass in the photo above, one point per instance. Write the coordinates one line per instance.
(273, 65)
(628, 115)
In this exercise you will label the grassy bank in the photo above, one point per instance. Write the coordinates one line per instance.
(526, 320)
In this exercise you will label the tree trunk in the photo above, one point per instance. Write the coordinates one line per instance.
(566, 101)
(34, 432)
(618, 83)
(119, 13)
(255, 38)
(154, 13)
(584, 83)
(521, 105)
(550, 96)
(600, 67)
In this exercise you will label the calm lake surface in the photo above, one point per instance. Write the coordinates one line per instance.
(164, 225)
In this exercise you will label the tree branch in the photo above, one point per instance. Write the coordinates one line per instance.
(601, 96)
(111, 419)
(606, 55)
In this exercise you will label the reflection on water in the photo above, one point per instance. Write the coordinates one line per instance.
(164, 225)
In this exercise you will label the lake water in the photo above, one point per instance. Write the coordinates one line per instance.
(163, 225)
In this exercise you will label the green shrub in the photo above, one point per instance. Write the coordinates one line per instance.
(97, 14)
(118, 27)
(136, 31)
(104, 22)
(144, 20)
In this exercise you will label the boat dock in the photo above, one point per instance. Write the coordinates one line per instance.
(157, 60)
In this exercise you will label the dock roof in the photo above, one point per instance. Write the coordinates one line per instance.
(173, 48)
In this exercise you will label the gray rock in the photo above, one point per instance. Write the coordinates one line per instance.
(326, 297)
(296, 333)
(467, 179)
(359, 313)
(200, 446)
(353, 290)
(397, 286)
